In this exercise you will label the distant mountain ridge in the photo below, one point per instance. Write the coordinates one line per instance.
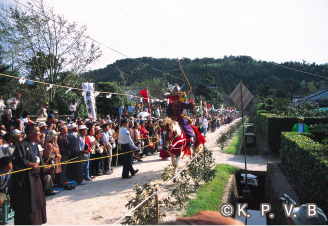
(224, 73)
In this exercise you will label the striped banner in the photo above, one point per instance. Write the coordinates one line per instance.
(236, 96)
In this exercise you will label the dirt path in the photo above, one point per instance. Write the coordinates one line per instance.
(103, 200)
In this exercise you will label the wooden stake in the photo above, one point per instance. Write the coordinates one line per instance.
(204, 160)
(157, 204)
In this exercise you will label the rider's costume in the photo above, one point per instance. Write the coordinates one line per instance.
(176, 111)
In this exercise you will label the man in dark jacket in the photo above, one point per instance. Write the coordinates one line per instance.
(65, 151)
(27, 193)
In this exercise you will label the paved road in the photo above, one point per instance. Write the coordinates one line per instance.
(254, 162)
(103, 200)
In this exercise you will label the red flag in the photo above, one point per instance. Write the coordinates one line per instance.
(144, 94)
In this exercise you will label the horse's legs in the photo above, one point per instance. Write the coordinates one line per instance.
(173, 158)
(175, 161)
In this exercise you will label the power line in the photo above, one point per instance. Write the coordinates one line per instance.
(110, 48)
(262, 40)
(279, 65)
(73, 88)
(252, 34)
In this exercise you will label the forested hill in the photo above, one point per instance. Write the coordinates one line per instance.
(261, 77)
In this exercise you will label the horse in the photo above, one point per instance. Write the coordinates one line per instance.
(175, 140)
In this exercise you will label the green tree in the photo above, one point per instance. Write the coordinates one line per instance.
(109, 106)
(44, 46)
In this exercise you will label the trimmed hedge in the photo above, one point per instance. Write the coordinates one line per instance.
(272, 125)
(308, 161)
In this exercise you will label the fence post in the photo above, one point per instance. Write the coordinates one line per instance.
(157, 203)
(204, 160)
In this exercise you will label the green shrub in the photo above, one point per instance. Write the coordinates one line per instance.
(269, 101)
(261, 106)
(210, 195)
(269, 108)
(308, 161)
(146, 213)
(272, 125)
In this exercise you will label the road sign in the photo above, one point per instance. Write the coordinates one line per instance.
(241, 93)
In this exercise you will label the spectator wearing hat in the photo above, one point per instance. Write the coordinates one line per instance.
(43, 132)
(14, 139)
(300, 126)
(98, 153)
(106, 139)
(80, 149)
(72, 138)
(127, 145)
(52, 122)
(42, 112)
(51, 155)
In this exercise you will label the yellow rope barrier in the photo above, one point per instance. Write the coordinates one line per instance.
(70, 161)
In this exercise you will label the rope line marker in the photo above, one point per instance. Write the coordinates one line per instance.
(70, 161)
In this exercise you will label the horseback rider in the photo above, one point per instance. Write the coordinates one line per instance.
(175, 111)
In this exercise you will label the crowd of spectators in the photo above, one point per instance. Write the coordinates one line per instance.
(85, 139)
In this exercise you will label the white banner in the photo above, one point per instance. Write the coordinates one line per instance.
(89, 99)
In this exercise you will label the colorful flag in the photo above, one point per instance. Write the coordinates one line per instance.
(144, 94)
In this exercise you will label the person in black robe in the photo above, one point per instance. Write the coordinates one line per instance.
(27, 193)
